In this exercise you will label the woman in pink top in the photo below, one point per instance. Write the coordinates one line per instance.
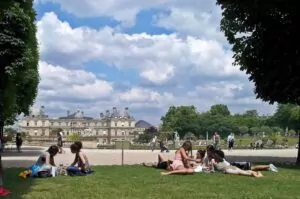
(181, 157)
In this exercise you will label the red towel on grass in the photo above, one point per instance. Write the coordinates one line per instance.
(4, 192)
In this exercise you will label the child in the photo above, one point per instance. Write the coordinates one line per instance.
(222, 165)
(80, 166)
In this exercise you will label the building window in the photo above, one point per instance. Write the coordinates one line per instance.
(27, 124)
(116, 132)
(129, 124)
(35, 123)
(67, 132)
(59, 123)
(116, 124)
(51, 123)
(43, 123)
(123, 133)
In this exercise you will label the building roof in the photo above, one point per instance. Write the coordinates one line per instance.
(76, 115)
(143, 124)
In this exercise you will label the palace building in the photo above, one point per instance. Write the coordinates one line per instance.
(111, 126)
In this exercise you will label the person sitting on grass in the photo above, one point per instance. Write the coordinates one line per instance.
(197, 168)
(161, 164)
(208, 157)
(80, 166)
(181, 157)
(222, 165)
(45, 162)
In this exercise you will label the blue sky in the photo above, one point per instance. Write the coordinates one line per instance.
(142, 55)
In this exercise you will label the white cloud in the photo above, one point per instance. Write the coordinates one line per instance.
(156, 57)
(194, 58)
(190, 17)
(63, 89)
(76, 84)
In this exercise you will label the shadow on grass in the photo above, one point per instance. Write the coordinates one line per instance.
(17, 163)
(282, 162)
(28, 151)
(16, 185)
(270, 159)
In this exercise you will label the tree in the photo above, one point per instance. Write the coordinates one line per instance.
(19, 76)
(243, 130)
(54, 132)
(182, 119)
(219, 109)
(74, 137)
(264, 36)
(251, 113)
(147, 135)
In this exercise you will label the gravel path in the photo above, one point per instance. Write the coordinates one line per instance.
(114, 157)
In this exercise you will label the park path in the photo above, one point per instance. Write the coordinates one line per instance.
(114, 157)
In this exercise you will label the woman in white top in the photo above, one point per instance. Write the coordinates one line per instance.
(222, 165)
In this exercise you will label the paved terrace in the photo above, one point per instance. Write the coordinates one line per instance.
(113, 157)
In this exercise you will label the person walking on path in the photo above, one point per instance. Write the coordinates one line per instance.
(152, 143)
(19, 142)
(163, 147)
(230, 141)
(216, 140)
(60, 142)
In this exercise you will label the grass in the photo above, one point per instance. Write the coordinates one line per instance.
(136, 182)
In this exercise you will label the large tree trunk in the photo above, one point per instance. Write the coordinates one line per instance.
(298, 157)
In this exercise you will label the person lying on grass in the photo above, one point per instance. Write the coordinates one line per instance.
(248, 166)
(80, 166)
(222, 165)
(197, 168)
(241, 165)
(161, 164)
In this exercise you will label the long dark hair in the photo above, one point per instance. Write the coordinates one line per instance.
(187, 145)
(53, 150)
(75, 147)
(79, 144)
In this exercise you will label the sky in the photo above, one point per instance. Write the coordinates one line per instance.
(144, 55)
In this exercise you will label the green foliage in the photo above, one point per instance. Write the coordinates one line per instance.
(74, 137)
(147, 136)
(19, 57)
(136, 182)
(54, 132)
(219, 110)
(181, 119)
(186, 119)
(264, 36)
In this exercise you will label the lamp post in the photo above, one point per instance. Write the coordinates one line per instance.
(124, 137)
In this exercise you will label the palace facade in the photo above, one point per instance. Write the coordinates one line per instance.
(111, 126)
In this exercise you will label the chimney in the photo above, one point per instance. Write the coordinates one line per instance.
(126, 113)
(107, 113)
(101, 115)
(82, 113)
(68, 113)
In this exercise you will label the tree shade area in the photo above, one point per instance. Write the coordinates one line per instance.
(19, 76)
(265, 41)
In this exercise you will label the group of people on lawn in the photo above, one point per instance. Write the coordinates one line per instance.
(207, 161)
(45, 165)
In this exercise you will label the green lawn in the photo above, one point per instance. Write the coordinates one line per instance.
(116, 182)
